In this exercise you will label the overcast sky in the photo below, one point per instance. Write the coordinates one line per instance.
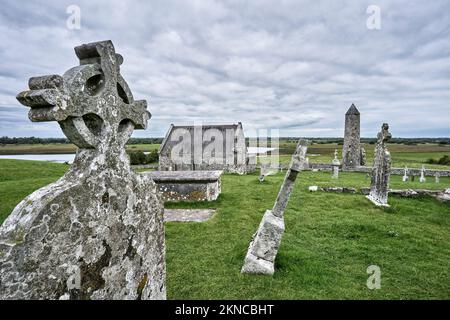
(291, 65)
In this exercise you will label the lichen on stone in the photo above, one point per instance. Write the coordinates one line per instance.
(98, 231)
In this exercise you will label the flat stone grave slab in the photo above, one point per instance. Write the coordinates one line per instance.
(188, 215)
(175, 186)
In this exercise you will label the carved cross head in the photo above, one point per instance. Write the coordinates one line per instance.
(299, 160)
(91, 102)
(384, 135)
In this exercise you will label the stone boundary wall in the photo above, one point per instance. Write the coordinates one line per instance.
(411, 172)
(144, 166)
(443, 195)
(395, 171)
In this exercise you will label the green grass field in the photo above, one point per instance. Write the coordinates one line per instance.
(329, 242)
(58, 148)
(413, 156)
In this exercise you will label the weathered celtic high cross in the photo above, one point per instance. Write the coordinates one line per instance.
(98, 232)
(264, 246)
(91, 102)
(381, 170)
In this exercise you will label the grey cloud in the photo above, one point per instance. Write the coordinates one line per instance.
(292, 65)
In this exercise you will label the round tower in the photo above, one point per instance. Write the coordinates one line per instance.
(351, 151)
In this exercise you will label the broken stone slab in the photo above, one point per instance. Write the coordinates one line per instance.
(264, 246)
(98, 232)
(408, 193)
(175, 186)
(444, 196)
(266, 241)
(338, 189)
(188, 215)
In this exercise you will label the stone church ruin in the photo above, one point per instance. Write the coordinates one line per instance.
(205, 147)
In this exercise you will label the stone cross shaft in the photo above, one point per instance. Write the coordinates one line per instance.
(297, 164)
(263, 248)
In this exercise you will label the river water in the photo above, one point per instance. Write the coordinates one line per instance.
(68, 157)
(60, 158)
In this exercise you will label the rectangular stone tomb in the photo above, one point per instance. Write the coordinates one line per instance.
(177, 186)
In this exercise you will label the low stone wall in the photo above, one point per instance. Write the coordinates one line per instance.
(320, 166)
(442, 195)
(175, 186)
(394, 171)
(144, 166)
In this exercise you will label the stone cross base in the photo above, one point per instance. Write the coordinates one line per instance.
(264, 246)
(377, 202)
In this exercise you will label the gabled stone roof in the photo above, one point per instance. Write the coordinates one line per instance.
(204, 127)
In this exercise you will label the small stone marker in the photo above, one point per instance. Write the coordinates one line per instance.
(405, 174)
(422, 178)
(381, 169)
(436, 177)
(98, 232)
(335, 165)
(264, 246)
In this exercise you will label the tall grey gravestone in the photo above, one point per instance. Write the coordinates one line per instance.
(264, 246)
(381, 169)
(98, 232)
(351, 150)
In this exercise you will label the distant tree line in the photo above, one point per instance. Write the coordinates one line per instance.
(407, 141)
(35, 140)
(139, 157)
(445, 160)
(31, 140)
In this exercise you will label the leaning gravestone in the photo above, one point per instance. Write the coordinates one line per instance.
(381, 169)
(98, 232)
(264, 246)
